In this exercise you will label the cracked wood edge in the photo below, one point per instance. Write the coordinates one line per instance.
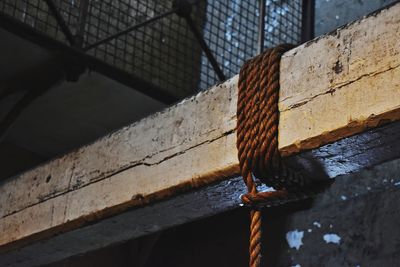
(182, 147)
(140, 163)
(148, 142)
(371, 148)
(349, 82)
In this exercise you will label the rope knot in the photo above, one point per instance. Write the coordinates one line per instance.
(262, 199)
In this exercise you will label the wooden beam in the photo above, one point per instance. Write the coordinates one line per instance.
(342, 83)
(333, 87)
(339, 158)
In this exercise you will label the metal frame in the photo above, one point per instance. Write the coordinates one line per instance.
(22, 30)
(261, 26)
(184, 9)
(74, 59)
(130, 29)
(181, 8)
(307, 20)
(61, 22)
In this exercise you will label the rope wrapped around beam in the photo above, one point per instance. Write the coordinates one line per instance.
(257, 140)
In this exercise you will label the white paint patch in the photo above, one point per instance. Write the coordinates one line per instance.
(332, 238)
(317, 224)
(297, 265)
(343, 197)
(264, 188)
(295, 238)
(397, 183)
(309, 230)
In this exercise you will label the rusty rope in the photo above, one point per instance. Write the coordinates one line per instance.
(257, 139)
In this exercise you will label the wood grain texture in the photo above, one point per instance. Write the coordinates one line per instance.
(340, 158)
(335, 86)
(342, 83)
(152, 159)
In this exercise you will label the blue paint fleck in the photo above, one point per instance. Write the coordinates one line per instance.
(295, 239)
(332, 238)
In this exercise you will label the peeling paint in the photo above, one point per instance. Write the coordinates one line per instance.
(295, 239)
(332, 238)
(317, 224)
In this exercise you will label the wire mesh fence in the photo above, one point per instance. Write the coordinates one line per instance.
(166, 52)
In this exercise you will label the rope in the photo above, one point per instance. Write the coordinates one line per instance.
(257, 140)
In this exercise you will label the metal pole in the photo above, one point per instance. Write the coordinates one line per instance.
(129, 29)
(83, 11)
(60, 20)
(206, 49)
(261, 26)
(307, 20)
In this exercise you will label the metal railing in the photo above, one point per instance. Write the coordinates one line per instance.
(165, 49)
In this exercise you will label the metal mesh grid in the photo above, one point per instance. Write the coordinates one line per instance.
(231, 30)
(283, 22)
(166, 53)
(35, 13)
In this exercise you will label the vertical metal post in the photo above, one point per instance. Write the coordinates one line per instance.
(261, 26)
(83, 11)
(307, 20)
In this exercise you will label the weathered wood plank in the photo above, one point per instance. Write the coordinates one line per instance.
(342, 83)
(335, 86)
(213, 199)
(137, 164)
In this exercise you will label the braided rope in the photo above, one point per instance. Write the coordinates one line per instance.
(257, 138)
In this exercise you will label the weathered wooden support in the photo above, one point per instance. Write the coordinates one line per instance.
(138, 180)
